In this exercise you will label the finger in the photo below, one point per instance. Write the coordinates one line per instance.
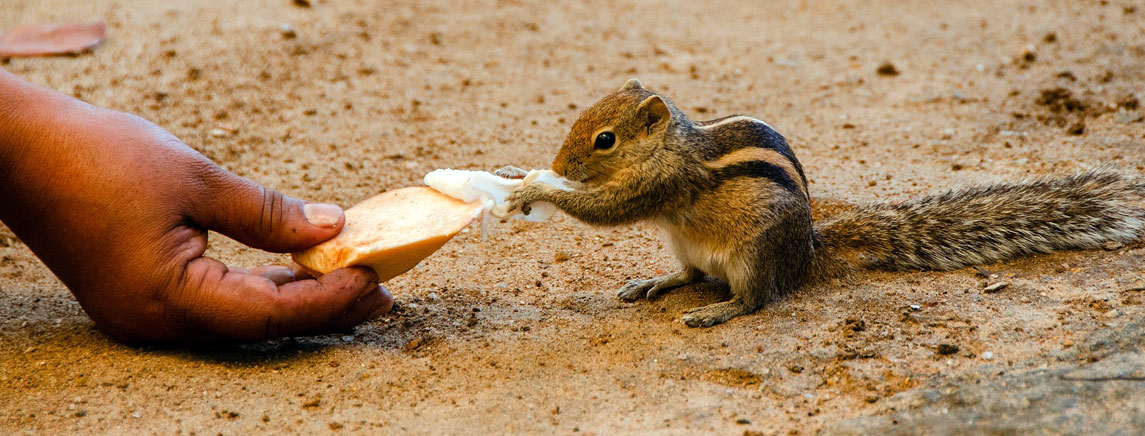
(280, 275)
(252, 307)
(261, 217)
(372, 305)
(300, 272)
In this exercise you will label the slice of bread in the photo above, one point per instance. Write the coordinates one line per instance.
(391, 232)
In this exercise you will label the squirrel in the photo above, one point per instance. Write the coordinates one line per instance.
(734, 203)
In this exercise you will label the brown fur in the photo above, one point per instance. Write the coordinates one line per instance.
(733, 200)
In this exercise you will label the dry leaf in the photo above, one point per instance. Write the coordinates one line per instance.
(51, 39)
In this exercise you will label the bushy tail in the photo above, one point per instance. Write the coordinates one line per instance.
(985, 224)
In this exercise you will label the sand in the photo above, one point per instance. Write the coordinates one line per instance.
(523, 333)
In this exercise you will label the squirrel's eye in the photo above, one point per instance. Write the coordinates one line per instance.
(604, 141)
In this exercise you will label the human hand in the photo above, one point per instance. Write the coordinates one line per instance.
(119, 210)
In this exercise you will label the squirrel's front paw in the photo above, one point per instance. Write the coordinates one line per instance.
(510, 172)
(524, 196)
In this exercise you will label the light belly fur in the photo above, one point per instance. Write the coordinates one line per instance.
(697, 254)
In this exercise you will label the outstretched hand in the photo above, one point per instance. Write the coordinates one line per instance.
(119, 210)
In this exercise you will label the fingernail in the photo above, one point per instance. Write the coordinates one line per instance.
(321, 214)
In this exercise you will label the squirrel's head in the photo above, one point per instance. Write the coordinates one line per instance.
(617, 132)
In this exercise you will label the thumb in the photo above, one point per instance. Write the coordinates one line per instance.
(264, 218)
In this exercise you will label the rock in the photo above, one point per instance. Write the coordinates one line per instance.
(1077, 128)
(995, 287)
(287, 31)
(887, 69)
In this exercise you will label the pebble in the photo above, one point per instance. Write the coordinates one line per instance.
(218, 133)
(947, 349)
(995, 287)
(347, 338)
(887, 69)
(989, 355)
(915, 307)
(287, 31)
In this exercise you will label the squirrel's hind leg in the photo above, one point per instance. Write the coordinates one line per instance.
(650, 288)
(746, 298)
(718, 313)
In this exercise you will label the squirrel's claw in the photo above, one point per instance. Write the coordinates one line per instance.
(719, 313)
(523, 197)
(516, 203)
(634, 289)
(510, 172)
(650, 288)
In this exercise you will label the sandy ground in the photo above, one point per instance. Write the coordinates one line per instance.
(522, 334)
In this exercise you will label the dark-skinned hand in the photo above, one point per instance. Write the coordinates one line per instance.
(119, 210)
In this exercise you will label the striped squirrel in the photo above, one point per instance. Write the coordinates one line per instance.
(734, 203)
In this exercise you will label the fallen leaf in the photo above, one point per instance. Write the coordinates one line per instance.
(51, 39)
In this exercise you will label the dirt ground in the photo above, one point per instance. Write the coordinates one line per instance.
(522, 334)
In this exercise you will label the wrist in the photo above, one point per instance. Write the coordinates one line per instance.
(32, 118)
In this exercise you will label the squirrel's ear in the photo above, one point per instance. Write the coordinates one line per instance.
(632, 84)
(653, 112)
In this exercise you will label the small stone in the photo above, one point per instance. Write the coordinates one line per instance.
(1029, 54)
(989, 355)
(946, 349)
(561, 256)
(287, 31)
(887, 69)
(136, 415)
(743, 421)
(1077, 128)
(795, 368)
(990, 289)
(347, 338)
(915, 307)
(219, 133)
(412, 345)
(312, 402)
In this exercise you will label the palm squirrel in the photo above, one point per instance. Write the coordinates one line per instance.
(734, 203)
